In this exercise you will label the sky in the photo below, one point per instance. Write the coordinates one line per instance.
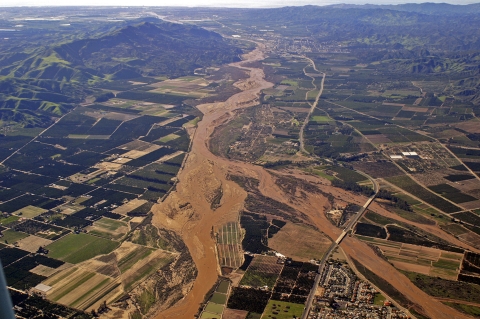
(211, 3)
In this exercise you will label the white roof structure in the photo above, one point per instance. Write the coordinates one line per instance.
(410, 153)
(396, 156)
(43, 288)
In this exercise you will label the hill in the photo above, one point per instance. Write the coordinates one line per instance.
(53, 79)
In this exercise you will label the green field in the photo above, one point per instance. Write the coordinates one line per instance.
(207, 315)
(223, 287)
(214, 308)
(258, 279)
(168, 138)
(290, 82)
(75, 248)
(321, 119)
(11, 236)
(379, 299)
(219, 298)
(132, 258)
(109, 224)
(447, 264)
(282, 310)
(469, 310)
(29, 211)
(7, 220)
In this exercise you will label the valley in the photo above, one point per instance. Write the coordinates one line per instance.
(207, 166)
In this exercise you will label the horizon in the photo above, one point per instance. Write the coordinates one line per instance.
(221, 3)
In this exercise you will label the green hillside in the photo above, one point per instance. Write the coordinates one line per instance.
(52, 80)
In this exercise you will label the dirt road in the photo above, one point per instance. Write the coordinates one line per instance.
(188, 209)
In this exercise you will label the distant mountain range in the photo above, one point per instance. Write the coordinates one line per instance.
(425, 8)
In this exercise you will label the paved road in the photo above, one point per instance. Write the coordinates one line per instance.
(337, 242)
(314, 104)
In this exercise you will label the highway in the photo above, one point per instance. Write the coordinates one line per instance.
(350, 225)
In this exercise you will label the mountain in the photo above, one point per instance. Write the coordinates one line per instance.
(150, 49)
(435, 8)
(53, 79)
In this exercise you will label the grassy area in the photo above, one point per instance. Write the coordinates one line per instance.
(75, 248)
(451, 256)
(410, 186)
(132, 258)
(259, 279)
(443, 288)
(321, 174)
(11, 236)
(214, 308)
(321, 119)
(219, 298)
(447, 264)
(109, 224)
(136, 315)
(146, 301)
(347, 175)
(147, 269)
(207, 315)
(407, 198)
(289, 82)
(283, 310)
(72, 286)
(109, 228)
(467, 309)
(379, 299)
(378, 219)
(168, 138)
(223, 287)
(29, 211)
(414, 217)
(193, 122)
(5, 221)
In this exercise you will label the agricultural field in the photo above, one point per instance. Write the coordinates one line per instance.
(411, 187)
(76, 164)
(75, 248)
(82, 289)
(216, 303)
(299, 242)
(108, 228)
(189, 86)
(282, 310)
(423, 260)
(229, 245)
(295, 281)
(292, 283)
(262, 272)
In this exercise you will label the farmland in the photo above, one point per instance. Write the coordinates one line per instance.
(229, 245)
(75, 248)
(422, 260)
(282, 310)
(216, 303)
(82, 185)
(95, 134)
(299, 242)
(262, 272)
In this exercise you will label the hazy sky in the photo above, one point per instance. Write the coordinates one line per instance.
(217, 3)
